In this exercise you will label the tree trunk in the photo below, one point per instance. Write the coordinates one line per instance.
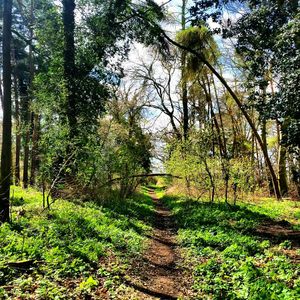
(28, 115)
(214, 123)
(184, 90)
(18, 135)
(1, 93)
(260, 167)
(220, 115)
(69, 63)
(252, 146)
(34, 116)
(265, 145)
(295, 172)
(282, 152)
(26, 151)
(211, 179)
(6, 129)
(34, 151)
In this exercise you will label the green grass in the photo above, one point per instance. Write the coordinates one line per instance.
(229, 260)
(69, 241)
(277, 210)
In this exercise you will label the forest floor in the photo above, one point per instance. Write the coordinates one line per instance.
(160, 273)
(153, 245)
(247, 251)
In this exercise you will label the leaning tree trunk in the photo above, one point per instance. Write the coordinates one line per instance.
(222, 147)
(282, 159)
(282, 171)
(264, 139)
(220, 115)
(6, 129)
(241, 107)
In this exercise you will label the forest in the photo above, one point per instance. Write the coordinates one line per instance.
(150, 149)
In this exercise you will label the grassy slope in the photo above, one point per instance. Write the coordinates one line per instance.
(229, 260)
(82, 248)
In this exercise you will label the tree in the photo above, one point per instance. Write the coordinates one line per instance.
(158, 89)
(184, 89)
(239, 104)
(264, 37)
(25, 56)
(202, 11)
(7, 123)
(69, 64)
(71, 100)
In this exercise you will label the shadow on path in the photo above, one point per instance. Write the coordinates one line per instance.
(158, 274)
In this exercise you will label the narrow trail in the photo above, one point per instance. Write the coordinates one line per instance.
(159, 274)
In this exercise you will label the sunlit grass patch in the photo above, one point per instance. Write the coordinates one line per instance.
(230, 260)
(68, 241)
(288, 210)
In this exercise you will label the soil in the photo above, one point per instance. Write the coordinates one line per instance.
(278, 232)
(159, 274)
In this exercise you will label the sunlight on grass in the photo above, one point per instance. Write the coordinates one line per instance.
(229, 259)
(68, 241)
(286, 209)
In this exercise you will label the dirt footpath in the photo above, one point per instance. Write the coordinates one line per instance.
(159, 273)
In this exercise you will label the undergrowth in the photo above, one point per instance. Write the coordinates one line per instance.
(229, 258)
(74, 250)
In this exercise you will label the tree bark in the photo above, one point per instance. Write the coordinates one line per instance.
(28, 116)
(211, 179)
(1, 93)
(281, 150)
(282, 158)
(18, 135)
(69, 63)
(265, 144)
(184, 90)
(220, 115)
(34, 118)
(6, 129)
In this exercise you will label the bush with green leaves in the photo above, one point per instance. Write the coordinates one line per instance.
(208, 172)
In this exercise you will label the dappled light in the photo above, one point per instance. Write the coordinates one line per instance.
(149, 149)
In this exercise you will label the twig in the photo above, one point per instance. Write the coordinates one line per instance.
(56, 179)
